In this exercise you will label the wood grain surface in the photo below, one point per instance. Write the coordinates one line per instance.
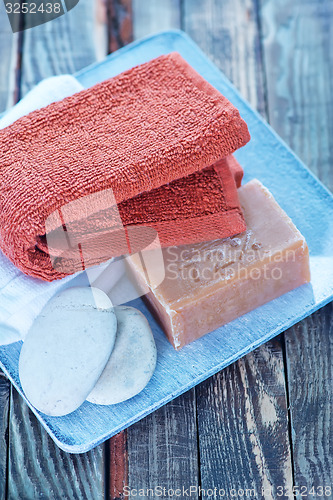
(243, 426)
(117, 465)
(309, 355)
(4, 415)
(37, 468)
(162, 448)
(10, 62)
(9, 93)
(297, 42)
(120, 23)
(228, 33)
(153, 16)
(61, 46)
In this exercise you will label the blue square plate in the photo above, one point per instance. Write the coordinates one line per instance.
(299, 193)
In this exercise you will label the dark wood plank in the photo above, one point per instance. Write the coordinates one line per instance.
(241, 411)
(39, 469)
(118, 459)
(36, 466)
(298, 38)
(243, 426)
(162, 449)
(4, 409)
(120, 23)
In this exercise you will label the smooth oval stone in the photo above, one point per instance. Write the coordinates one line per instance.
(66, 349)
(132, 361)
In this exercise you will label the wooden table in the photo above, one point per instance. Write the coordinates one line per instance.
(266, 421)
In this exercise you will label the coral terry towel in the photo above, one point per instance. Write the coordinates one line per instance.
(136, 133)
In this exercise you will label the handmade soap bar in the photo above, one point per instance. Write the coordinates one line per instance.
(209, 284)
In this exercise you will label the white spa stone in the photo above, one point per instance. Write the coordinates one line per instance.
(132, 361)
(66, 350)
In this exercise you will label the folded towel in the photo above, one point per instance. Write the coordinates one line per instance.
(196, 208)
(200, 207)
(134, 133)
(23, 297)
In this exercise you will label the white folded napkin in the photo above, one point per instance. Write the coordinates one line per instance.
(21, 297)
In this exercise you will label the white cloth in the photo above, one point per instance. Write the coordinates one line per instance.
(21, 297)
(47, 91)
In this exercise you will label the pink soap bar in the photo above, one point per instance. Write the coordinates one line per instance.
(209, 284)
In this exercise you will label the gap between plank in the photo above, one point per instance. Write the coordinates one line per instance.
(198, 440)
(284, 354)
(262, 58)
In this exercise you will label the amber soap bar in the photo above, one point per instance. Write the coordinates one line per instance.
(209, 284)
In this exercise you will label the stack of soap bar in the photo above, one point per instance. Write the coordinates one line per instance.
(209, 284)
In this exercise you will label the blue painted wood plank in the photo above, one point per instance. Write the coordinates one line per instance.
(243, 427)
(39, 469)
(297, 39)
(9, 61)
(309, 353)
(62, 46)
(228, 33)
(163, 448)
(153, 16)
(4, 415)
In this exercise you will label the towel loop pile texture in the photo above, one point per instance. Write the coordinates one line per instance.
(159, 136)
